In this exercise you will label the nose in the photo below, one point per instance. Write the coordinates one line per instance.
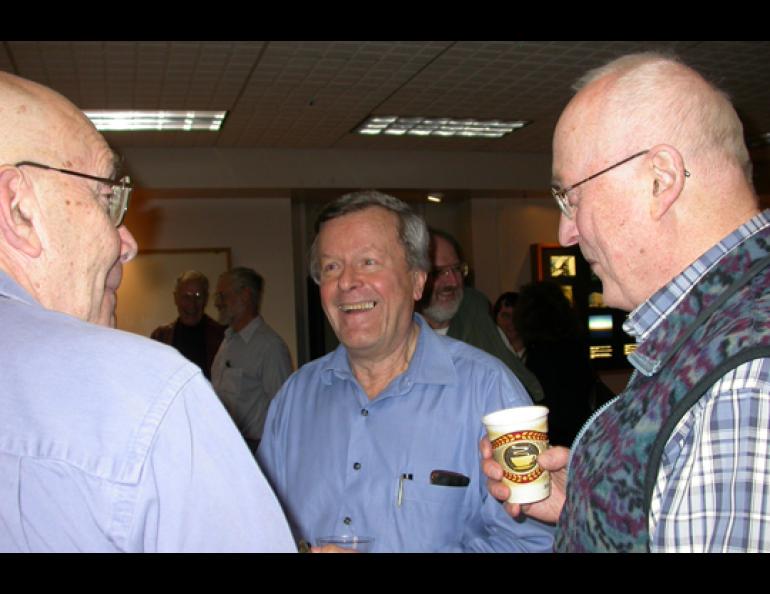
(568, 231)
(348, 279)
(454, 278)
(128, 246)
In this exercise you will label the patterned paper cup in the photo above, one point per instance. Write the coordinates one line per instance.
(518, 436)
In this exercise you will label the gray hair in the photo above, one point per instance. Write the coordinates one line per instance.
(247, 278)
(412, 231)
(672, 103)
(189, 275)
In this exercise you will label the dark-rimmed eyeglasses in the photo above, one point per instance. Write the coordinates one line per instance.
(560, 195)
(120, 190)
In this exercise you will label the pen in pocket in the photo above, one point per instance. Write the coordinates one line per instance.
(404, 477)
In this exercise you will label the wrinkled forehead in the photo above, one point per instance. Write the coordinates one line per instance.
(577, 139)
(381, 228)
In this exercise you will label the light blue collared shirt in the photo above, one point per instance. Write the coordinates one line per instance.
(111, 442)
(336, 459)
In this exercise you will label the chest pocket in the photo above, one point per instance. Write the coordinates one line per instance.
(433, 514)
(232, 379)
(439, 495)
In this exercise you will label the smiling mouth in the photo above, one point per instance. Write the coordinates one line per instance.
(357, 307)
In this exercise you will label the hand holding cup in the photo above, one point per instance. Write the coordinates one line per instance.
(517, 437)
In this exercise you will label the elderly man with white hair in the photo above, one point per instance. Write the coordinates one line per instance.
(109, 442)
(654, 182)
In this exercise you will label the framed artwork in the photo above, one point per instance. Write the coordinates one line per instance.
(145, 297)
(562, 266)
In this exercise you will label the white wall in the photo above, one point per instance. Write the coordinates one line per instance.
(258, 232)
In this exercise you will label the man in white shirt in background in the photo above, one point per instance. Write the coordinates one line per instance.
(253, 361)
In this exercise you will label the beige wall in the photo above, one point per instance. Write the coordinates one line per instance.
(502, 230)
(257, 230)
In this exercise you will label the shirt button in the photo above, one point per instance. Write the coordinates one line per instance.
(348, 521)
(357, 466)
(364, 412)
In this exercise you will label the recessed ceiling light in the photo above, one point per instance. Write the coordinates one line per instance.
(133, 121)
(436, 197)
(442, 127)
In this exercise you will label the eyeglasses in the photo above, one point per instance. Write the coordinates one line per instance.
(561, 195)
(461, 268)
(197, 295)
(120, 191)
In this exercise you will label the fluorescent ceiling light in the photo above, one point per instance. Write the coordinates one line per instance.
(114, 121)
(442, 127)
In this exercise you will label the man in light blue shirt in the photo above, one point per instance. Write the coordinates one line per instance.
(379, 438)
(109, 442)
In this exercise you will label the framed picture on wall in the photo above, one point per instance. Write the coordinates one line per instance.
(562, 266)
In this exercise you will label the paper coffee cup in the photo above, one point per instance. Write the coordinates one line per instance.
(518, 436)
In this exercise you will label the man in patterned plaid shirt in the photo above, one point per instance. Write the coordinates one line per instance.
(653, 178)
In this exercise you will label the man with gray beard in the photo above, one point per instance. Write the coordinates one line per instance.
(461, 312)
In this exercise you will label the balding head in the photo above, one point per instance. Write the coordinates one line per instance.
(56, 238)
(650, 98)
(687, 186)
(37, 123)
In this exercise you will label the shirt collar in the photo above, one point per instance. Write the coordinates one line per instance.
(431, 362)
(643, 321)
(247, 331)
(10, 288)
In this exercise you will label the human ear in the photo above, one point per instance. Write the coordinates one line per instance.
(17, 222)
(667, 180)
(418, 283)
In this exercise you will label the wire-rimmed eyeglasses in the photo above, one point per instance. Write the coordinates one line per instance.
(120, 190)
(461, 269)
(560, 195)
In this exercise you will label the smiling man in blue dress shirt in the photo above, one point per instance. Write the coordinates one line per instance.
(379, 438)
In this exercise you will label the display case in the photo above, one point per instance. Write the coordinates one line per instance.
(565, 266)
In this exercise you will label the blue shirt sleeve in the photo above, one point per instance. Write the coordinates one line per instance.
(201, 489)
